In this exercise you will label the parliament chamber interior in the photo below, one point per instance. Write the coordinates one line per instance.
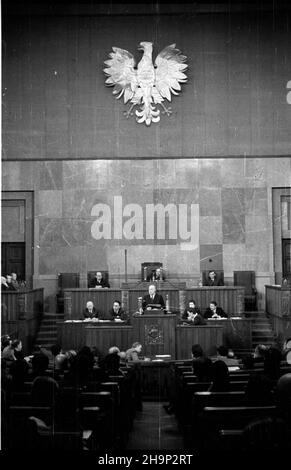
(146, 226)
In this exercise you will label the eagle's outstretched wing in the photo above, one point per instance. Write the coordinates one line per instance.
(121, 73)
(169, 72)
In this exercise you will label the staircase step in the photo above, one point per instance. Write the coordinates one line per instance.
(49, 334)
(48, 328)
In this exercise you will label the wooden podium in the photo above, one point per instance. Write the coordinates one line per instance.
(156, 332)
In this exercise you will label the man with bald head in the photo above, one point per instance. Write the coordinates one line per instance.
(153, 298)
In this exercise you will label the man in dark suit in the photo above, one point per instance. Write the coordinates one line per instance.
(213, 280)
(99, 282)
(156, 275)
(90, 311)
(192, 315)
(153, 298)
(213, 311)
(117, 313)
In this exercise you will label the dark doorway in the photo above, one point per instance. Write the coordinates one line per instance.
(286, 257)
(13, 259)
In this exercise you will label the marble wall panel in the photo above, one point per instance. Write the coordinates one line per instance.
(210, 202)
(211, 257)
(210, 230)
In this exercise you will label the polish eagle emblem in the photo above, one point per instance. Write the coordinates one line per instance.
(146, 84)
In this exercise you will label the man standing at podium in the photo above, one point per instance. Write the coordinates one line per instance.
(153, 298)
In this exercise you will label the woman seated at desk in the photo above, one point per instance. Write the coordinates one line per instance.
(117, 313)
(215, 312)
(192, 314)
(90, 311)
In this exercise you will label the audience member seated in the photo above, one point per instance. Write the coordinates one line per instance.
(4, 285)
(44, 391)
(90, 311)
(111, 362)
(59, 359)
(202, 365)
(213, 311)
(259, 354)
(13, 351)
(212, 280)
(268, 434)
(153, 298)
(39, 365)
(223, 354)
(19, 372)
(81, 367)
(283, 398)
(99, 282)
(220, 377)
(261, 384)
(192, 314)
(156, 275)
(116, 313)
(132, 354)
(10, 283)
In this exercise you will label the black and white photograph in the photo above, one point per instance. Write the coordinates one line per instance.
(146, 230)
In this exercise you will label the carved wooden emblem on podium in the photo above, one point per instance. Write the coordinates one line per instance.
(153, 334)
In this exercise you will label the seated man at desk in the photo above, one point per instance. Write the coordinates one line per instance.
(90, 311)
(117, 313)
(99, 282)
(156, 275)
(153, 298)
(192, 314)
(212, 280)
(213, 311)
(133, 352)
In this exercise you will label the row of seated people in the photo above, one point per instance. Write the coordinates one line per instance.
(191, 315)
(212, 398)
(61, 398)
(99, 280)
(10, 282)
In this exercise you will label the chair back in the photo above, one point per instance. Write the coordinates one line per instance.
(68, 280)
(246, 279)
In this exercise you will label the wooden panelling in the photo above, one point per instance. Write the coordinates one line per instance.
(71, 335)
(237, 333)
(103, 337)
(156, 333)
(278, 301)
(229, 298)
(207, 336)
(21, 315)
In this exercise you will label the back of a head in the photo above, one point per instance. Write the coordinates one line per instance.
(40, 363)
(135, 345)
(197, 351)
(272, 362)
(266, 434)
(111, 364)
(113, 350)
(222, 351)
(18, 371)
(202, 368)
(56, 349)
(44, 391)
(220, 376)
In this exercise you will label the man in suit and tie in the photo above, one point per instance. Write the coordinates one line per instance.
(213, 311)
(99, 282)
(153, 298)
(213, 280)
(90, 311)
